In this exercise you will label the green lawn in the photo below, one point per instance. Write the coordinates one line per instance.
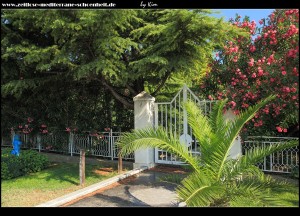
(56, 181)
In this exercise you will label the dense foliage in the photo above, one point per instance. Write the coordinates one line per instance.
(248, 69)
(81, 68)
(29, 161)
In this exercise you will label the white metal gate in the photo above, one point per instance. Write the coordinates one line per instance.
(173, 117)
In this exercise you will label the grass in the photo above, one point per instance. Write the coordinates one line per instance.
(56, 181)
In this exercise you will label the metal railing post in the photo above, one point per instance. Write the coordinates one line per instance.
(111, 145)
(265, 159)
(271, 162)
(38, 139)
(71, 143)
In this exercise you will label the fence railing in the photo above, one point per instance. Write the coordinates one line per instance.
(282, 161)
(103, 145)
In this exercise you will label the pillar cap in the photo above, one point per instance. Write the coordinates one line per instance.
(143, 96)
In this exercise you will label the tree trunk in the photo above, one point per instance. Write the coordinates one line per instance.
(82, 167)
(120, 164)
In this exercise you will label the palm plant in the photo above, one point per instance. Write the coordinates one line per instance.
(215, 180)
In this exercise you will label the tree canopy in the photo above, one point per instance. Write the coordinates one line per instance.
(52, 57)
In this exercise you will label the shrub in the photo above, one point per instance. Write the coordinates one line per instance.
(11, 167)
(29, 161)
(33, 161)
(248, 69)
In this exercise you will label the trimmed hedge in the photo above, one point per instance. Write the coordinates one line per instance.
(29, 161)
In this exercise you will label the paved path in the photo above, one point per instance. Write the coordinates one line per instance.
(143, 189)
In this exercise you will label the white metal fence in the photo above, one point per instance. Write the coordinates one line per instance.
(62, 142)
(282, 162)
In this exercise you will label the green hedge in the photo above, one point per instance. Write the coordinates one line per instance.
(29, 161)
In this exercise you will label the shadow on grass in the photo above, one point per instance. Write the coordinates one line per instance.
(62, 173)
(65, 172)
(70, 173)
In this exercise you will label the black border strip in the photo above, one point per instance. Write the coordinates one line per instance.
(148, 4)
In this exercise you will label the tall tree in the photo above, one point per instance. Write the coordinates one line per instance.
(126, 51)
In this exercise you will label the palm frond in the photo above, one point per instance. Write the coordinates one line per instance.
(199, 190)
(156, 138)
(246, 163)
(200, 124)
(257, 188)
(253, 156)
(256, 154)
(216, 119)
(236, 125)
(234, 170)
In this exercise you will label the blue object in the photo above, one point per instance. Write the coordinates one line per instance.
(16, 144)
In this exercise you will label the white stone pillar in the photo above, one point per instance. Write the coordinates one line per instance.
(236, 149)
(143, 118)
